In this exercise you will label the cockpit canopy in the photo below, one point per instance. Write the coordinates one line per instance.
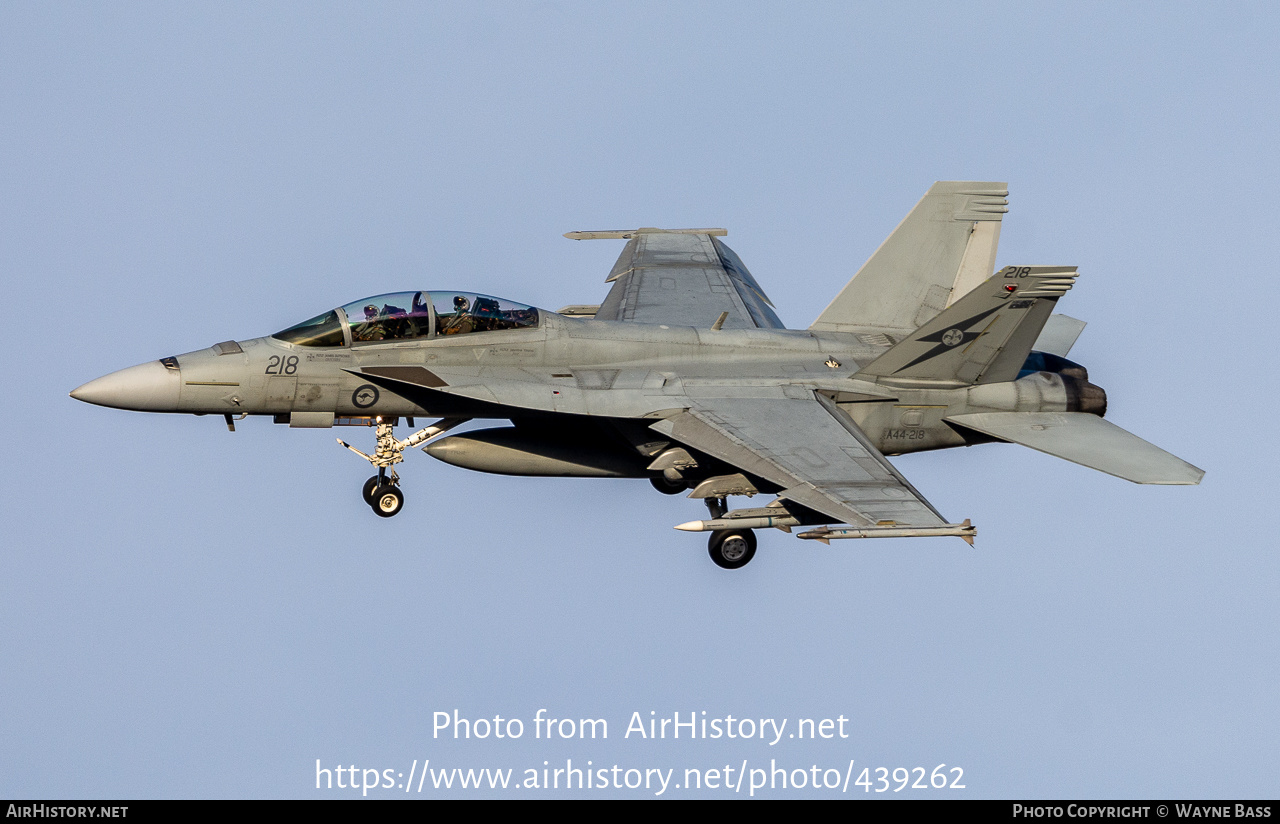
(409, 315)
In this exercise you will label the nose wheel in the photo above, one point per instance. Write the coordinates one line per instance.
(370, 487)
(382, 491)
(383, 495)
(387, 501)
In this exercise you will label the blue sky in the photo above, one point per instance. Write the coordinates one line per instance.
(186, 612)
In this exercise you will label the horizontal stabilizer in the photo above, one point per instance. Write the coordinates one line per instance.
(1085, 439)
(1058, 335)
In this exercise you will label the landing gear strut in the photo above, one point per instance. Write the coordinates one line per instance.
(382, 491)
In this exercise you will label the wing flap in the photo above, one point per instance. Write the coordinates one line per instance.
(1087, 440)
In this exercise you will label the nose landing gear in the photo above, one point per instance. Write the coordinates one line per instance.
(387, 500)
(370, 486)
(382, 491)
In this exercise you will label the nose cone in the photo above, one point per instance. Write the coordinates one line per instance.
(147, 387)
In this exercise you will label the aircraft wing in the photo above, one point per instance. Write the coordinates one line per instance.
(809, 447)
(682, 277)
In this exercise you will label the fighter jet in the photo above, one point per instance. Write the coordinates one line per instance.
(686, 376)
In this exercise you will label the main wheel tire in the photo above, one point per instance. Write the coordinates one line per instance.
(387, 500)
(370, 486)
(732, 548)
(667, 487)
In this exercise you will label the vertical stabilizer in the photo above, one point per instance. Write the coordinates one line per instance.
(941, 250)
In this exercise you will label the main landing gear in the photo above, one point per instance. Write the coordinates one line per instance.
(732, 548)
(382, 491)
(729, 548)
